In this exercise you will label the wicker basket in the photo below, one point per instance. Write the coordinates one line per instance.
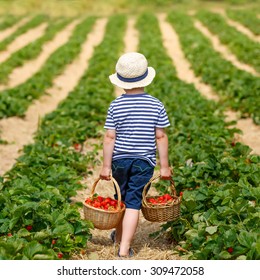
(161, 213)
(104, 219)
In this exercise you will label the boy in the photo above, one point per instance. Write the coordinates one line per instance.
(135, 124)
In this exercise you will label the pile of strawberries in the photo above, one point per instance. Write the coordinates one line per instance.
(160, 200)
(104, 203)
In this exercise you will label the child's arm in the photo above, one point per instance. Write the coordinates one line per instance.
(108, 147)
(162, 146)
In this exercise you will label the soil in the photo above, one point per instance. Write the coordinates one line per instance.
(250, 132)
(9, 31)
(23, 40)
(241, 28)
(19, 132)
(223, 50)
(21, 74)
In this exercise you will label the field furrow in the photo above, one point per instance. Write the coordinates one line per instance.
(245, 49)
(23, 40)
(30, 51)
(65, 164)
(7, 21)
(206, 165)
(7, 32)
(247, 18)
(32, 23)
(250, 131)
(59, 52)
(20, 132)
(230, 83)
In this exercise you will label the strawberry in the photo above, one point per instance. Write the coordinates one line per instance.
(181, 193)
(100, 198)
(167, 196)
(53, 241)
(60, 255)
(77, 146)
(230, 250)
(29, 227)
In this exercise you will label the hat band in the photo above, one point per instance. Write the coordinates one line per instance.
(132, 80)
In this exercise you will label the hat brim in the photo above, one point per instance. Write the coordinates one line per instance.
(126, 85)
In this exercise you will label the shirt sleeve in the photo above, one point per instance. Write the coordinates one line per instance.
(163, 120)
(109, 124)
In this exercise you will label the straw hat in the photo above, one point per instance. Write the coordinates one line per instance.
(132, 71)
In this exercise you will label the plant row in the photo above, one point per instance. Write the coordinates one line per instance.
(32, 50)
(37, 218)
(246, 50)
(236, 88)
(247, 18)
(8, 21)
(35, 21)
(219, 178)
(15, 101)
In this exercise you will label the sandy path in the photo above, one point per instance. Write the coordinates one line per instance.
(223, 50)
(19, 132)
(101, 247)
(239, 27)
(184, 71)
(9, 31)
(131, 43)
(21, 74)
(251, 132)
(23, 40)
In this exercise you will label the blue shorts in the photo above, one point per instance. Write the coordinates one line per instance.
(132, 175)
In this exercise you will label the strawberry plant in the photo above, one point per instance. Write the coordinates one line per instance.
(36, 193)
(9, 20)
(31, 50)
(35, 21)
(219, 181)
(247, 18)
(230, 83)
(245, 49)
(16, 100)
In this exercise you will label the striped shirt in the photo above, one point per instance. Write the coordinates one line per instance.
(135, 117)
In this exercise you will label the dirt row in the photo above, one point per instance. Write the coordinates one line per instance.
(19, 132)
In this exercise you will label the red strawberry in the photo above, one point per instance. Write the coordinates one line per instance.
(53, 241)
(181, 193)
(230, 250)
(60, 255)
(29, 227)
(77, 147)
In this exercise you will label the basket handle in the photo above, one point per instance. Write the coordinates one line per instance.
(117, 190)
(155, 177)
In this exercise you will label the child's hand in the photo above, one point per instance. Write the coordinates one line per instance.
(166, 173)
(105, 174)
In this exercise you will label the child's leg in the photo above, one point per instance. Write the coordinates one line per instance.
(129, 225)
(141, 173)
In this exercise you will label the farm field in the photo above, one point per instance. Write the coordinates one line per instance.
(54, 96)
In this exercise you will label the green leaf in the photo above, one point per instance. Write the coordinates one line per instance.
(192, 233)
(212, 229)
(32, 249)
(23, 232)
(224, 255)
(246, 239)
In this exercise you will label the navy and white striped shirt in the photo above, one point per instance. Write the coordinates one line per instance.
(135, 117)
